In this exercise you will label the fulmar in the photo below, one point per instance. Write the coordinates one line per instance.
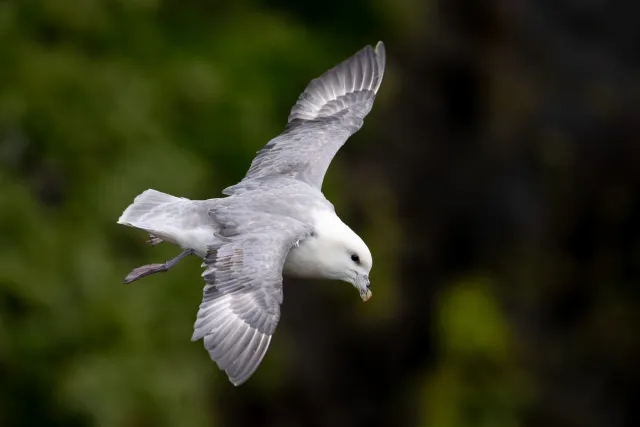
(274, 222)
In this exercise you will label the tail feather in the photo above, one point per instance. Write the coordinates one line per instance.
(142, 206)
(171, 219)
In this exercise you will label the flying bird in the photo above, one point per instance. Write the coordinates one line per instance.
(274, 222)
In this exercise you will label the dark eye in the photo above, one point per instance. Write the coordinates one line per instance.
(355, 258)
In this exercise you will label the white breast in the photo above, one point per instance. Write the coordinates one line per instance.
(302, 260)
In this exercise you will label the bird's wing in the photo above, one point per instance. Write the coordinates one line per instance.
(243, 292)
(328, 112)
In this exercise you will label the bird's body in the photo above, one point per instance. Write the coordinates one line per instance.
(275, 221)
(188, 224)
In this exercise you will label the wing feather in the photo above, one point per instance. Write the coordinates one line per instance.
(241, 301)
(327, 113)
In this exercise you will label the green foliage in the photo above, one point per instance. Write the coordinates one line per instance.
(475, 382)
(102, 99)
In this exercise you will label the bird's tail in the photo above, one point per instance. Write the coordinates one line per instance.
(141, 211)
(176, 220)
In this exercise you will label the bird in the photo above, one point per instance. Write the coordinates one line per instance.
(275, 222)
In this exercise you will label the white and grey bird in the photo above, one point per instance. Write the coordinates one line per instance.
(274, 222)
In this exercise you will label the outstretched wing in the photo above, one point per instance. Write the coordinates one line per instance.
(241, 300)
(328, 112)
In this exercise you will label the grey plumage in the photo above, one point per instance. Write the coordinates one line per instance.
(246, 239)
(243, 292)
(327, 113)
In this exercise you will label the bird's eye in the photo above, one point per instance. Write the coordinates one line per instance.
(355, 258)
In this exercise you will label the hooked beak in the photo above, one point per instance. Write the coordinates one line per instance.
(363, 284)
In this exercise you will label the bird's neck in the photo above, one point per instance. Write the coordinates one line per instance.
(314, 256)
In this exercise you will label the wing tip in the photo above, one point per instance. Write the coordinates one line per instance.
(381, 57)
(369, 62)
(251, 366)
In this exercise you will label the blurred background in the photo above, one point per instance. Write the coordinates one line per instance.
(496, 182)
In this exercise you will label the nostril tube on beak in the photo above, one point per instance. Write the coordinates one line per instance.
(362, 283)
(365, 281)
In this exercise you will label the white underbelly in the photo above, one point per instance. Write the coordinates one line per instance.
(197, 239)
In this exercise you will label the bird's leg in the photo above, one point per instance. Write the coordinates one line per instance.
(148, 269)
(153, 240)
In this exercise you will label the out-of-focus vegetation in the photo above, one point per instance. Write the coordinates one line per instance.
(495, 181)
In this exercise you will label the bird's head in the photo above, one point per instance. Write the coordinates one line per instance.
(357, 266)
(347, 258)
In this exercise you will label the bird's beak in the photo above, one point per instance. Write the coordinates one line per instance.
(363, 284)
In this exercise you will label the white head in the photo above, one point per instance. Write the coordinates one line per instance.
(352, 261)
(333, 252)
